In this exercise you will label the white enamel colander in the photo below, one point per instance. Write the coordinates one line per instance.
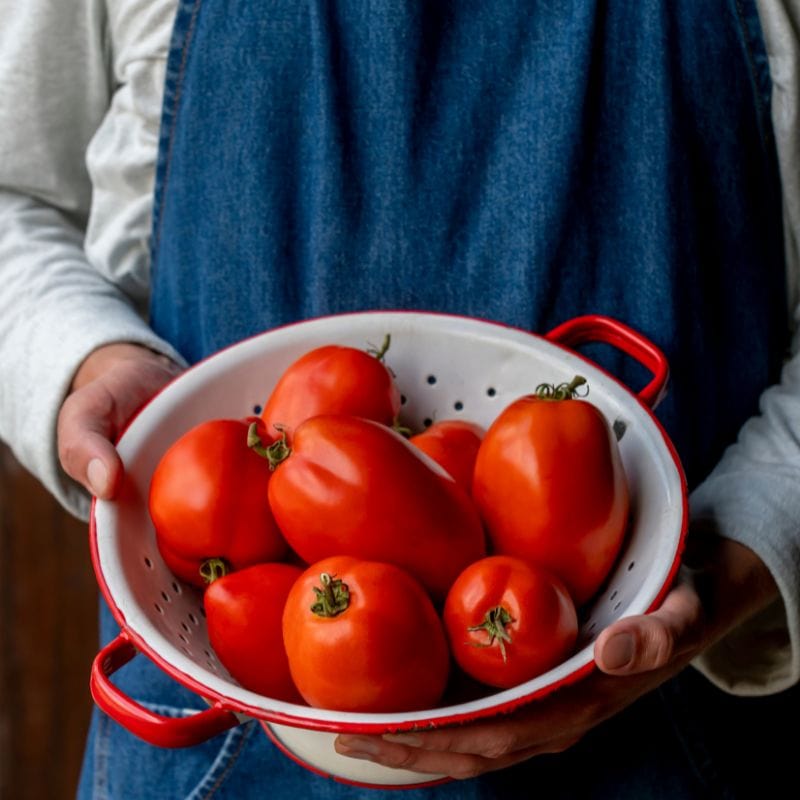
(446, 367)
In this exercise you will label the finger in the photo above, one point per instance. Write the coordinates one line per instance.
(651, 641)
(85, 430)
(460, 766)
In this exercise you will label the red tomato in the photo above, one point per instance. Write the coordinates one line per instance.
(364, 636)
(453, 444)
(508, 621)
(208, 500)
(332, 380)
(244, 611)
(551, 489)
(354, 487)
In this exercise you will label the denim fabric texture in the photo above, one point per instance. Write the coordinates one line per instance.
(514, 161)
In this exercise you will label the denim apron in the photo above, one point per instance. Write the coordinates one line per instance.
(519, 162)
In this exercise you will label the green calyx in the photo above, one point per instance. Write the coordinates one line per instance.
(214, 568)
(562, 391)
(275, 453)
(494, 623)
(332, 598)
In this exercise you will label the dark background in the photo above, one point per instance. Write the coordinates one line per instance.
(48, 637)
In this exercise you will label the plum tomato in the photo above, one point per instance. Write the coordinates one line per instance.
(453, 444)
(364, 636)
(208, 499)
(508, 621)
(333, 380)
(244, 613)
(350, 486)
(551, 488)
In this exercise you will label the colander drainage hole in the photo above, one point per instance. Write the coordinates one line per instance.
(193, 619)
(185, 627)
(631, 565)
(491, 391)
(257, 409)
(167, 598)
(176, 587)
(183, 638)
(617, 606)
(403, 399)
(613, 595)
(148, 563)
(158, 608)
(458, 405)
(431, 380)
(427, 422)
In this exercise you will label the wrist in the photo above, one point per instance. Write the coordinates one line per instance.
(733, 583)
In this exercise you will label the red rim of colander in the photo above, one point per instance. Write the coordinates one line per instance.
(331, 726)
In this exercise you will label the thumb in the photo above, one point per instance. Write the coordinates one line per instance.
(85, 434)
(94, 414)
(652, 641)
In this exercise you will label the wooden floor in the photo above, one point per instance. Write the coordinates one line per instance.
(48, 636)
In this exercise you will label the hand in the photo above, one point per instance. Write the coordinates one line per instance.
(720, 585)
(109, 387)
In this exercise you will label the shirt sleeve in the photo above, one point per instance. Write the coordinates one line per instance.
(753, 495)
(57, 83)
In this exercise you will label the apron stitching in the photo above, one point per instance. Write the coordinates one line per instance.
(762, 110)
(231, 763)
(175, 103)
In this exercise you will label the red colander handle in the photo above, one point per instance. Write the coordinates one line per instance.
(597, 328)
(140, 721)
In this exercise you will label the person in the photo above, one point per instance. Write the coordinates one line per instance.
(177, 176)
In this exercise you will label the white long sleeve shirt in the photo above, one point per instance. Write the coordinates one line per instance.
(80, 102)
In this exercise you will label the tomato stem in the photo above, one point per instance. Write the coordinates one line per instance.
(562, 391)
(379, 353)
(494, 623)
(213, 568)
(275, 453)
(332, 598)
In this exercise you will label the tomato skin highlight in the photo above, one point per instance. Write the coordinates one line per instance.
(551, 488)
(541, 621)
(453, 444)
(354, 487)
(386, 651)
(244, 612)
(331, 380)
(208, 499)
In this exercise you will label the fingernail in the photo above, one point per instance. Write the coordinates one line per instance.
(97, 475)
(359, 747)
(408, 739)
(618, 651)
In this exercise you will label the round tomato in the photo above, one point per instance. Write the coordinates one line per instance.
(332, 380)
(508, 621)
(453, 444)
(208, 500)
(551, 488)
(244, 612)
(350, 486)
(364, 636)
